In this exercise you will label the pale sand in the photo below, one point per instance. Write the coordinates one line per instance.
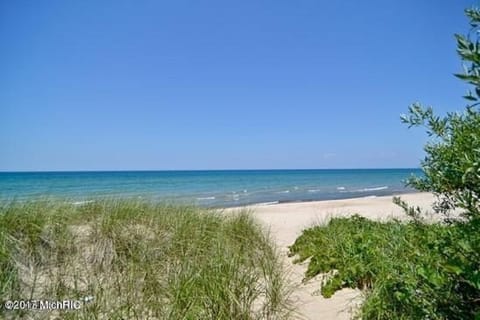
(286, 222)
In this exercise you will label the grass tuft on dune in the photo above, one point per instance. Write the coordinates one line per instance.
(139, 260)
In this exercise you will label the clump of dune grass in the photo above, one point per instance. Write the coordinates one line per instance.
(139, 260)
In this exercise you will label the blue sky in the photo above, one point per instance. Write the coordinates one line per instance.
(138, 85)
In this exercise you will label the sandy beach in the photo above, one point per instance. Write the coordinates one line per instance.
(286, 222)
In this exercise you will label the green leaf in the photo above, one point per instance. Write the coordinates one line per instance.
(470, 98)
(450, 268)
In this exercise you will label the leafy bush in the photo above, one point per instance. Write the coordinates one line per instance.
(408, 270)
(452, 172)
(417, 270)
(452, 163)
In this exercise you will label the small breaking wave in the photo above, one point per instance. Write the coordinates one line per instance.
(267, 203)
(372, 189)
(206, 198)
(314, 190)
(286, 191)
(340, 188)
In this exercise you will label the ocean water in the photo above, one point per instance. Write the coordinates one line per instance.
(224, 188)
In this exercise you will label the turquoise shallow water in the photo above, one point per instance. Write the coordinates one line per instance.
(206, 188)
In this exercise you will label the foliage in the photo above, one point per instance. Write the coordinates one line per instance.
(452, 171)
(408, 270)
(452, 163)
(417, 270)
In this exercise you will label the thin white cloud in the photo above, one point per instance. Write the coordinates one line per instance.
(329, 155)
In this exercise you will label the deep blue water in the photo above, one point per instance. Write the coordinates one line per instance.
(206, 188)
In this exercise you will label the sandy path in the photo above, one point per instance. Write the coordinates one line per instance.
(286, 222)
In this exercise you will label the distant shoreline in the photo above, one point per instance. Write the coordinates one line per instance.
(279, 202)
(408, 193)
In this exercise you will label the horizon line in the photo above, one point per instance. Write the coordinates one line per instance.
(198, 170)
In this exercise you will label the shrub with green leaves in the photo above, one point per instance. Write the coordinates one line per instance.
(452, 163)
(407, 270)
(452, 172)
(417, 270)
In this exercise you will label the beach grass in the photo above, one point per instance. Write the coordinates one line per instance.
(139, 260)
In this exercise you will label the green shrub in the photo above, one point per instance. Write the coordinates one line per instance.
(407, 270)
(417, 270)
(452, 163)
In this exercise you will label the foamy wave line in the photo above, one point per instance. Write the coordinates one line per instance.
(340, 188)
(267, 203)
(372, 189)
(206, 198)
(314, 190)
(286, 191)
